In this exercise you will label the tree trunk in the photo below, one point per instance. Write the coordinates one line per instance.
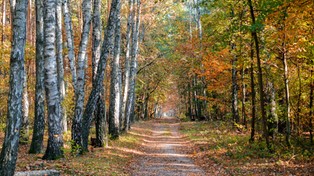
(252, 93)
(243, 97)
(80, 84)
(235, 112)
(133, 69)
(4, 11)
(96, 38)
(98, 86)
(260, 77)
(60, 61)
(114, 107)
(272, 116)
(311, 106)
(39, 121)
(298, 114)
(25, 121)
(55, 139)
(100, 121)
(70, 40)
(287, 98)
(127, 65)
(100, 112)
(10, 144)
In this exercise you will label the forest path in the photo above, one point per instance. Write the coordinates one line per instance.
(165, 152)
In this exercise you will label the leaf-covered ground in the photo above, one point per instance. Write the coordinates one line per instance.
(113, 160)
(215, 148)
(217, 144)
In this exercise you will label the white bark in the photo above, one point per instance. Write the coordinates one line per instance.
(60, 61)
(133, 71)
(9, 149)
(70, 41)
(114, 108)
(55, 138)
(127, 63)
(80, 84)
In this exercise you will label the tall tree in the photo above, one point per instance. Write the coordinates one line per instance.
(55, 138)
(253, 94)
(133, 65)
(98, 86)
(260, 74)
(115, 92)
(9, 150)
(99, 114)
(80, 84)
(60, 64)
(70, 40)
(39, 121)
(127, 65)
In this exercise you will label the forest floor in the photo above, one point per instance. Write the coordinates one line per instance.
(218, 144)
(169, 147)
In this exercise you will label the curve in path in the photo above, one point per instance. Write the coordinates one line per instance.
(166, 152)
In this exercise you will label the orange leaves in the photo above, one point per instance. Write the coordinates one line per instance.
(216, 66)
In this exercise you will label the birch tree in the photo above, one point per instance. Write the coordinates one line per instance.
(25, 120)
(114, 108)
(127, 65)
(9, 149)
(70, 40)
(39, 121)
(60, 60)
(80, 84)
(97, 87)
(133, 66)
(55, 138)
(99, 114)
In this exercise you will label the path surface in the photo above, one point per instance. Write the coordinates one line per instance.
(165, 152)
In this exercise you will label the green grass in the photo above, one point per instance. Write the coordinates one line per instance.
(220, 142)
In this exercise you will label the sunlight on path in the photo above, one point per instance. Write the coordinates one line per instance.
(165, 152)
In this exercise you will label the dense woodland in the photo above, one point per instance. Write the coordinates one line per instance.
(92, 68)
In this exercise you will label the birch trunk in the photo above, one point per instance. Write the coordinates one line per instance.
(243, 97)
(9, 149)
(133, 67)
(4, 11)
(287, 98)
(235, 111)
(127, 65)
(272, 117)
(99, 113)
(55, 139)
(60, 61)
(80, 84)
(70, 40)
(25, 120)
(39, 121)
(114, 108)
(96, 38)
(98, 86)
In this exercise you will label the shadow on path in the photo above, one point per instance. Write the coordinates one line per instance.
(165, 152)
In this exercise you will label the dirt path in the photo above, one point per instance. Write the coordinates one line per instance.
(165, 152)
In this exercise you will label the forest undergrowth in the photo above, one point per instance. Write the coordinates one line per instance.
(111, 160)
(218, 143)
